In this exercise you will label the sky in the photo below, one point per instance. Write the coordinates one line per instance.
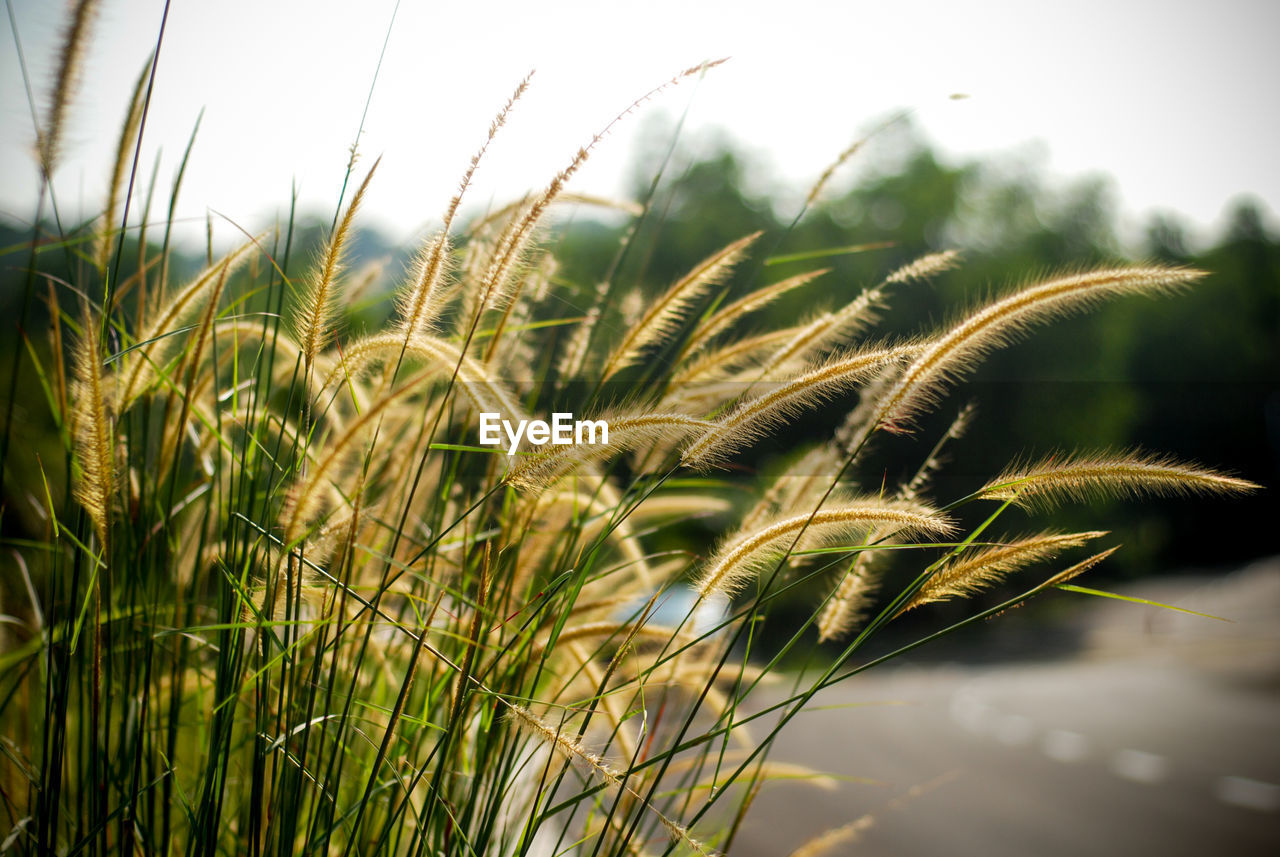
(1174, 100)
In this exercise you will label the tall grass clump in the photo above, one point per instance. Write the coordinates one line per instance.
(279, 599)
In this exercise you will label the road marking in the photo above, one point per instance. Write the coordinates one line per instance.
(1247, 793)
(1140, 766)
(1064, 746)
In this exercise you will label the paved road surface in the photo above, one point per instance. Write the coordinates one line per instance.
(1163, 738)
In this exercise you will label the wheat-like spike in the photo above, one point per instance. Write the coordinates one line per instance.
(723, 361)
(734, 564)
(752, 418)
(791, 343)
(1077, 569)
(510, 302)
(659, 505)
(833, 327)
(1086, 476)
(193, 357)
(157, 344)
(304, 500)
(825, 329)
(564, 198)
(852, 597)
(494, 127)
(124, 151)
(665, 314)
(978, 571)
(75, 41)
(510, 249)
(570, 748)
(92, 430)
(625, 433)
(950, 355)
(315, 313)
(926, 266)
(848, 604)
(828, 841)
(418, 306)
(680, 833)
(473, 378)
(842, 158)
(760, 298)
(519, 349)
(515, 239)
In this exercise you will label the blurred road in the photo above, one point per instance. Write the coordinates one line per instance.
(1161, 738)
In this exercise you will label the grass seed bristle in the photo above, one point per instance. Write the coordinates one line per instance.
(952, 354)
(1083, 477)
(979, 570)
(734, 564)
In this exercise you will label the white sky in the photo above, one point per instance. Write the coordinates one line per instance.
(1174, 99)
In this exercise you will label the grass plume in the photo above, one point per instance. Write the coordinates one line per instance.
(754, 417)
(977, 571)
(315, 317)
(93, 431)
(666, 313)
(1084, 477)
(950, 355)
(734, 564)
(75, 42)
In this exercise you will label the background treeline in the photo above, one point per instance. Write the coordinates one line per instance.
(1196, 375)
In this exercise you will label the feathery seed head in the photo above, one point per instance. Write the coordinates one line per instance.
(738, 560)
(977, 571)
(753, 417)
(1086, 476)
(75, 41)
(952, 354)
(315, 318)
(666, 313)
(626, 433)
(925, 266)
(93, 431)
